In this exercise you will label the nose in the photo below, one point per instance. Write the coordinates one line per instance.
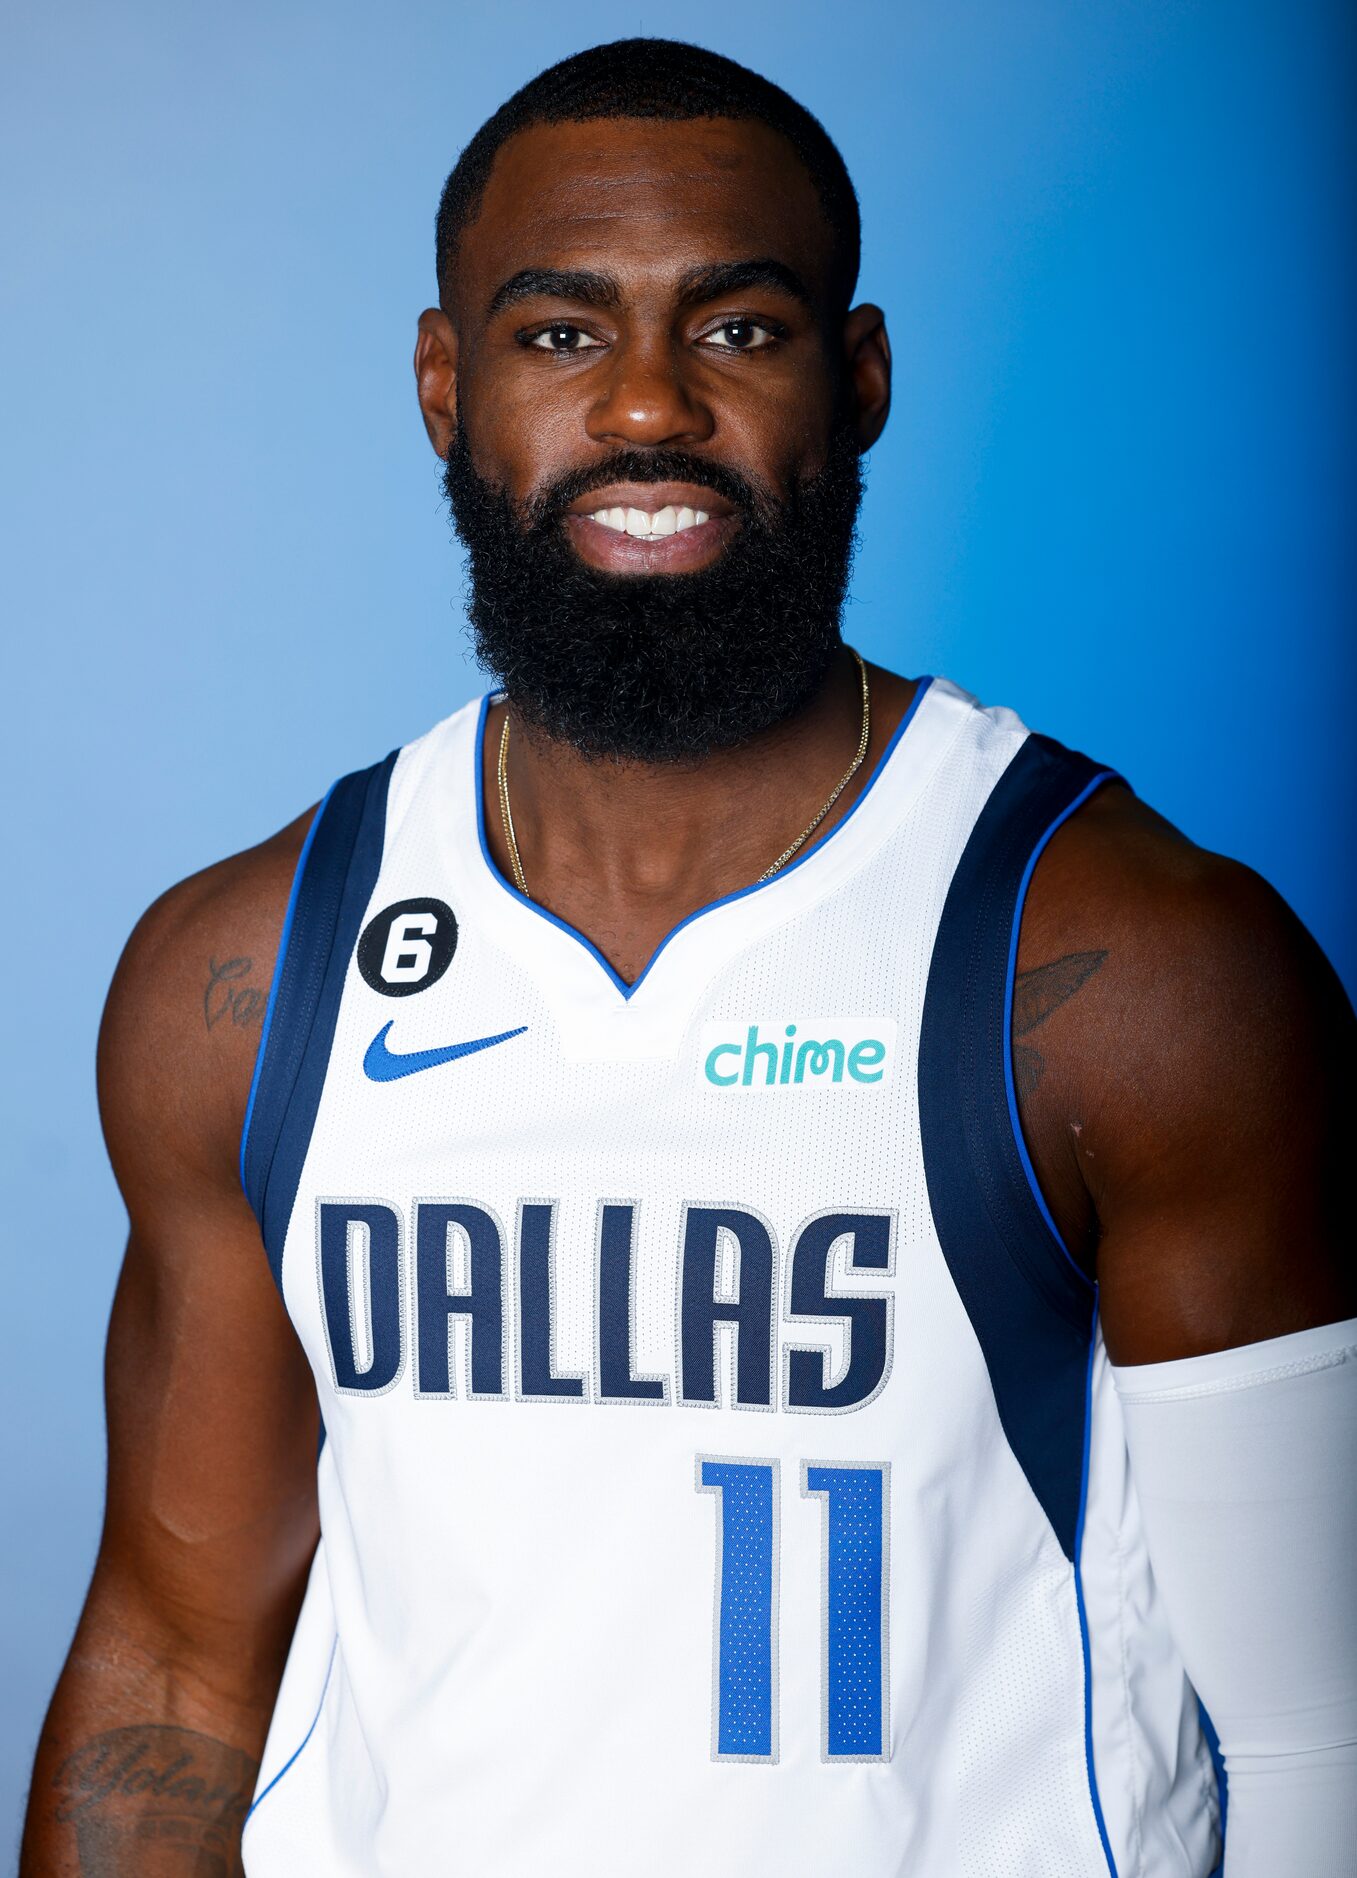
(646, 400)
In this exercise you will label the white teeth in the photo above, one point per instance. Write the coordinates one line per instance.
(666, 521)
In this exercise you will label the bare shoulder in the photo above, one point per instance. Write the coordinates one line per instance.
(1191, 954)
(182, 1024)
(1181, 1045)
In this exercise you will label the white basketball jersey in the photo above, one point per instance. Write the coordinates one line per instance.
(722, 1473)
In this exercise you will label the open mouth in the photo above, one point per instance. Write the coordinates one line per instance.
(638, 528)
(642, 526)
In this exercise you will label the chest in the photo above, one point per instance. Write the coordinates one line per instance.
(707, 1212)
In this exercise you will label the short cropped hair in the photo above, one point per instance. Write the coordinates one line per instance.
(654, 78)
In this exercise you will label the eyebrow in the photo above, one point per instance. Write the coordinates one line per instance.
(701, 284)
(696, 288)
(556, 283)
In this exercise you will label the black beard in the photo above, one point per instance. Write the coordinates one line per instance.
(661, 668)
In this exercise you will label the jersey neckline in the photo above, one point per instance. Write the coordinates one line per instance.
(810, 853)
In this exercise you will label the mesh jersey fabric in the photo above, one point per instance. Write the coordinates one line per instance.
(722, 1470)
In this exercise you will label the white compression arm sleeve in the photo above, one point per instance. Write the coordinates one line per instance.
(1245, 1463)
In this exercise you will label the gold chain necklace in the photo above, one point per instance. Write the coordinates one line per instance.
(507, 818)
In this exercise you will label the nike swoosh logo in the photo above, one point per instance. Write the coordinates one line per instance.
(383, 1065)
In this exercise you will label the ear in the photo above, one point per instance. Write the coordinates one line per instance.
(867, 351)
(436, 377)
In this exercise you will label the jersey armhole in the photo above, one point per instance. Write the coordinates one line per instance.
(1030, 1305)
(336, 872)
(1096, 781)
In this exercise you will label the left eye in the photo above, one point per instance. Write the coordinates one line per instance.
(562, 338)
(739, 336)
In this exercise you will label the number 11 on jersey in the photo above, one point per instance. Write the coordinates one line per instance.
(854, 1607)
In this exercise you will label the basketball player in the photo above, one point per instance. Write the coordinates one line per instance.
(812, 1217)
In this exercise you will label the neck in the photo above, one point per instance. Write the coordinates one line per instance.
(624, 851)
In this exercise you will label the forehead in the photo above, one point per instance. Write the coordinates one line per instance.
(643, 199)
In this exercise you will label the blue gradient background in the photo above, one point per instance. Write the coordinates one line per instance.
(1117, 491)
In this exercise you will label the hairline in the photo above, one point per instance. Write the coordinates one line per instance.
(476, 200)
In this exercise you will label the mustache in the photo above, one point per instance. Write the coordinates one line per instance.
(547, 506)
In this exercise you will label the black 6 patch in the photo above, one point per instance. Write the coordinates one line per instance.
(407, 947)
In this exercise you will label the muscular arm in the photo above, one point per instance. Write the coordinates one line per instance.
(1186, 1063)
(150, 1749)
(1189, 1099)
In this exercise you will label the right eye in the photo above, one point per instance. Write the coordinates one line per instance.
(562, 337)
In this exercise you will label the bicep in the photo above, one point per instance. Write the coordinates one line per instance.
(1223, 1149)
(212, 1418)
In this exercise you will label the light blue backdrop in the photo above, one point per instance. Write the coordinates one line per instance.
(1116, 493)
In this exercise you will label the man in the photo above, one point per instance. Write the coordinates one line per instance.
(811, 1215)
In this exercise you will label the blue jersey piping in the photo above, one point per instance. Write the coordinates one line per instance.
(1079, 1593)
(260, 1799)
(1103, 776)
(1039, 1197)
(276, 980)
(740, 893)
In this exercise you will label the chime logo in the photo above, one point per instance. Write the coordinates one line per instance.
(801, 1053)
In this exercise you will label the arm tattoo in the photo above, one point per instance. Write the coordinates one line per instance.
(156, 1799)
(1035, 995)
(225, 996)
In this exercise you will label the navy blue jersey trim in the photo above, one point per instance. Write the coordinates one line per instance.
(335, 877)
(1031, 1307)
(269, 1008)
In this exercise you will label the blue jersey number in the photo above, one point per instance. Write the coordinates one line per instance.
(854, 1608)
(744, 1667)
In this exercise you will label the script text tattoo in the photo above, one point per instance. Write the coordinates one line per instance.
(152, 1798)
(225, 996)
